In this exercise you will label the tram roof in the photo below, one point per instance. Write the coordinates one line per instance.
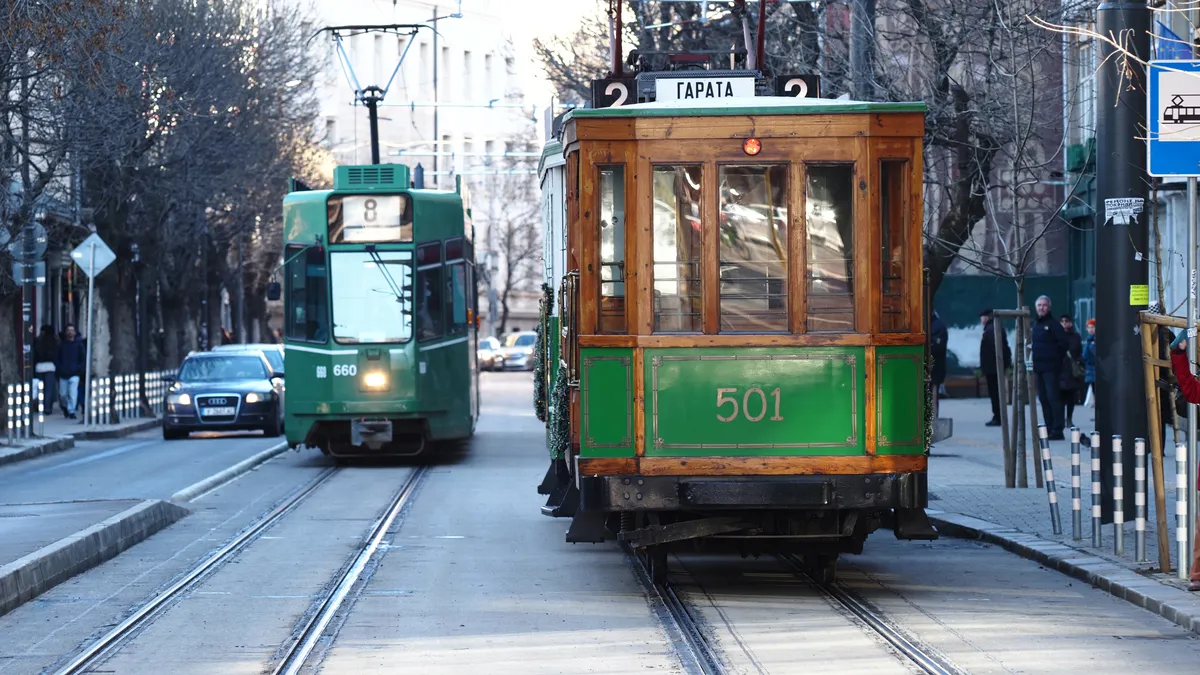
(758, 105)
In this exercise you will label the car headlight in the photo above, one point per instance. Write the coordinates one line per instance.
(180, 399)
(375, 379)
(253, 398)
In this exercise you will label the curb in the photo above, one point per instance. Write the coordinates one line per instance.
(38, 572)
(1176, 605)
(120, 432)
(221, 477)
(24, 452)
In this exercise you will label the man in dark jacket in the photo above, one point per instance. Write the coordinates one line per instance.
(938, 336)
(987, 362)
(1050, 346)
(69, 365)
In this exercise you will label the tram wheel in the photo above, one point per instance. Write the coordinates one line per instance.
(656, 563)
(822, 567)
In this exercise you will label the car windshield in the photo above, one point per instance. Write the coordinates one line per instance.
(273, 354)
(488, 343)
(372, 296)
(521, 340)
(223, 368)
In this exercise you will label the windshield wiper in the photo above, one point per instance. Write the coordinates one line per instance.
(382, 266)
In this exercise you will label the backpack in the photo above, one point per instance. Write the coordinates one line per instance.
(1078, 368)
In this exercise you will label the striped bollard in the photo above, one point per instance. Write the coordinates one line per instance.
(1076, 500)
(1139, 499)
(1048, 473)
(41, 399)
(1096, 489)
(27, 408)
(8, 413)
(106, 395)
(1181, 509)
(1118, 498)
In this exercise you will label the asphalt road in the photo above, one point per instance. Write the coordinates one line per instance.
(473, 579)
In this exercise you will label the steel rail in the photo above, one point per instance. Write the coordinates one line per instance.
(123, 631)
(302, 646)
(923, 657)
(691, 645)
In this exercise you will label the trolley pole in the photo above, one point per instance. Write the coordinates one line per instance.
(1124, 288)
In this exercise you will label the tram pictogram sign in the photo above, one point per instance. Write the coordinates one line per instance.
(1173, 118)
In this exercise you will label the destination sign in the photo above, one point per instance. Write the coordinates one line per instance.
(703, 88)
(370, 218)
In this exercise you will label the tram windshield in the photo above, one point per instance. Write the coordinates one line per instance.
(372, 296)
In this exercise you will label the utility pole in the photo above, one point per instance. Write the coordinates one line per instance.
(241, 286)
(29, 254)
(862, 49)
(1121, 292)
(437, 142)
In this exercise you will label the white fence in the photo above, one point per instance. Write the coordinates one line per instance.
(113, 399)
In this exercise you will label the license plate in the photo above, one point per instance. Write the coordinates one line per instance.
(218, 412)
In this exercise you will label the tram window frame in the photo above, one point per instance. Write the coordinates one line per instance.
(612, 306)
(456, 270)
(300, 258)
(335, 221)
(815, 299)
(895, 254)
(429, 282)
(780, 314)
(697, 262)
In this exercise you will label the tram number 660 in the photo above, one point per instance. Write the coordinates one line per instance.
(345, 371)
(753, 392)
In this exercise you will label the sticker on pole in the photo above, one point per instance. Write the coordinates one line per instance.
(1173, 117)
(1122, 210)
(93, 255)
(1139, 295)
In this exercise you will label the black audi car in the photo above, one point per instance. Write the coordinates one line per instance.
(224, 391)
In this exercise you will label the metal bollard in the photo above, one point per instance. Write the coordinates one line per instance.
(1048, 472)
(8, 414)
(1181, 508)
(1139, 499)
(41, 399)
(106, 396)
(1118, 498)
(27, 409)
(1076, 501)
(1096, 489)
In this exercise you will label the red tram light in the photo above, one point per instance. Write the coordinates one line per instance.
(752, 146)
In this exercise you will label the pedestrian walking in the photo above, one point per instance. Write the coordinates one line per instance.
(938, 335)
(1050, 347)
(1191, 391)
(1089, 364)
(44, 350)
(987, 362)
(69, 365)
(1071, 383)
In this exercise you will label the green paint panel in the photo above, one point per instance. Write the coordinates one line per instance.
(606, 402)
(900, 401)
(755, 401)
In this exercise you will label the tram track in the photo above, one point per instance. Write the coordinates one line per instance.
(143, 615)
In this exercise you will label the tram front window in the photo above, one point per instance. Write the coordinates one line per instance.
(753, 253)
(829, 232)
(612, 249)
(678, 299)
(372, 296)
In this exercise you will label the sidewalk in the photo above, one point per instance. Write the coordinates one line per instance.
(968, 499)
(59, 434)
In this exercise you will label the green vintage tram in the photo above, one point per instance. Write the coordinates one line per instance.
(737, 350)
(380, 297)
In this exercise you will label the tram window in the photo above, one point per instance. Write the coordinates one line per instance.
(612, 249)
(429, 292)
(454, 249)
(753, 249)
(678, 297)
(307, 294)
(372, 296)
(370, 218)
(829, 232)
(893, 221)
(456, 298)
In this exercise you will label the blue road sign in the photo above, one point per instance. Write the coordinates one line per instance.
(1173, 117)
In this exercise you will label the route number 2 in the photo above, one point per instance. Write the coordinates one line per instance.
(345, 371)
(722, 400)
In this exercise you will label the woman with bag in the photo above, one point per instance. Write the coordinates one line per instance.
(44, 349)
(1089, 364)
(1071, 380)
(1191, 391)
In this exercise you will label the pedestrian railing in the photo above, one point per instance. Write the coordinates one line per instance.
(113, 399)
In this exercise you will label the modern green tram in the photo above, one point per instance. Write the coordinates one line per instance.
(380, 301)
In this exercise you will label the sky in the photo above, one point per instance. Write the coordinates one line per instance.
(531, 19)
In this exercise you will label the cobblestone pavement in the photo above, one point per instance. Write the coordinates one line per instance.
(966, 476)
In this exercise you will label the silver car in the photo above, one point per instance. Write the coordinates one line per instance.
(518, 350)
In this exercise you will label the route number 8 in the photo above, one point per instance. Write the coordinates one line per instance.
(369, 213)
(345, 371)
(761, 405)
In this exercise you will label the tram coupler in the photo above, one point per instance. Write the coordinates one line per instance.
(913, 524)
(372, 433)
(557, 476)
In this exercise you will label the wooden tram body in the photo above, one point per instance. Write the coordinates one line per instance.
(739, 316)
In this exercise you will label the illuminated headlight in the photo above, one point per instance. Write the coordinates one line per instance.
(375, 379)
(253, 398)
(181, 399)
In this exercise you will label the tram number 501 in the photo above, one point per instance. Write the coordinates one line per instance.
(761, 405)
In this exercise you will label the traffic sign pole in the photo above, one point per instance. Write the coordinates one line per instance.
(1193, 310)
(87, 381)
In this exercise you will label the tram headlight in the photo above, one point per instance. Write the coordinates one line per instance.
(752, 146)
(375, 379)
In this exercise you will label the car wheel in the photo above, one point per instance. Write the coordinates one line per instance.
(170, 434)
(274, 429)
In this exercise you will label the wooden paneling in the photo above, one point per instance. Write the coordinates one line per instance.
(872, 403)
(727, 340)
(612, 129)
(639, 403)
(607, 466)
(642, 255)
(780, 466)
(797, 248)
(628, 154)
(773, 150)
(763, 127)
(916, 218)
(866, 290)
(711, 245)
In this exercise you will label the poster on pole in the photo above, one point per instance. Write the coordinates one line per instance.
(1173, 118)
(93, 255)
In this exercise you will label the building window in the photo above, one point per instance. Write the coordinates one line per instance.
(893, 228)
(612, 249)
(753, 249)
(678, 296)
(306, 294)
(468, 76)
(829, 233)
(429, 291)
